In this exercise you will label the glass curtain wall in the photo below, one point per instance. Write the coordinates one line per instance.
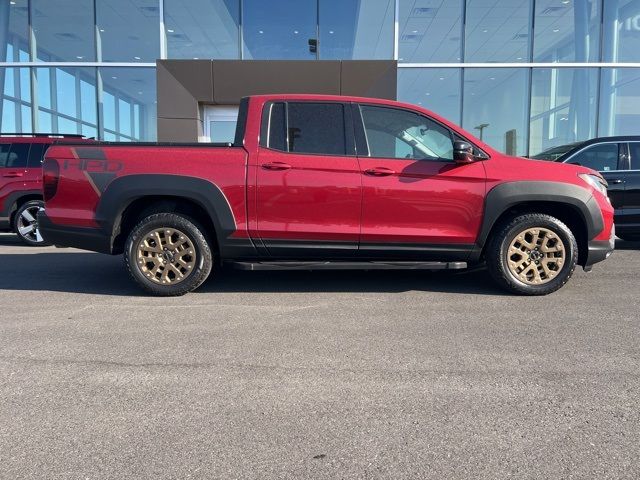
(504, 69)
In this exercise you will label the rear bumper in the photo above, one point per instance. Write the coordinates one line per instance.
(93, 239)
(599, 250)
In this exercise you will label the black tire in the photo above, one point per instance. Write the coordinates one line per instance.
(498, 247)
(25, 223)
(195, 239)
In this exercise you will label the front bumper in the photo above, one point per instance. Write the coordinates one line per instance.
(93, 239)
(599, 250)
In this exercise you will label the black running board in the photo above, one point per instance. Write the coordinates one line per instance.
(348, 265)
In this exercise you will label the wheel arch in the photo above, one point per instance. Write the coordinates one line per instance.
(16, 200)
(569, 203)
(127, 199)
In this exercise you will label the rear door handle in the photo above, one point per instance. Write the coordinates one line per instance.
(13, 174)
(276, 166)
(379, 172)
(615, 181)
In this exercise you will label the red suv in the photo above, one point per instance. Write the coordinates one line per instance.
(21, 182)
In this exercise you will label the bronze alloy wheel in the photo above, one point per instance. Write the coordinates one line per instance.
(536, 256)
(166, 256)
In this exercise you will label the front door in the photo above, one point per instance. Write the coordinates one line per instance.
(13, 175)
(416, 199)
(308, 195)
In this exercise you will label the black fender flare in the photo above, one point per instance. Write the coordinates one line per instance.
(11, 202)
(123, 191)
(507, 195)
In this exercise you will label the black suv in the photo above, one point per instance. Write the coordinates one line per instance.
(618, 160)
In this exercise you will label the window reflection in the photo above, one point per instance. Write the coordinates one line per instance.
(202, 28)
(128, 32)
(562, 106)
(283, 29)
(430, 31)
(356, 29)
(129, 111)
(66, 99)
(497, 31)
(14, 35)
(566, 31)
(619, 101)
(621, 38)
(495, 106)
(64, 30)
(15, 100)
(437, 89)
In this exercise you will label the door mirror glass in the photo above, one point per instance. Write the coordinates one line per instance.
(463, 152)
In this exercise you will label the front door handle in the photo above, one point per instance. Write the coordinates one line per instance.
(379, 172)
(276, 166)
(615, 181)
(13, 174)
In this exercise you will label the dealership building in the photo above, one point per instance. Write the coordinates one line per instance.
(524, 75)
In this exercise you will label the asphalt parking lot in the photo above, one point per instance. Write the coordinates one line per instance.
(315, 375)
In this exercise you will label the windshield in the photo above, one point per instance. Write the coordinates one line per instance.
(554, 153)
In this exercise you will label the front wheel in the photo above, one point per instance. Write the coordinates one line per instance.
(532, 254)
(168, 255)
(25, 223)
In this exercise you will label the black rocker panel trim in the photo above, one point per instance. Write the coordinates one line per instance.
(507, 195)
(340, 250)
(123, 191)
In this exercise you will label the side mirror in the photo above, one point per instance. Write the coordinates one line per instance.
(463, 152)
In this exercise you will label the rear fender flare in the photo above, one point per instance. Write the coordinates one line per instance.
(121, 192)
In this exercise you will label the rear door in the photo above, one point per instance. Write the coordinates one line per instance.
(416, 199)
(13, 171)
(308, 186)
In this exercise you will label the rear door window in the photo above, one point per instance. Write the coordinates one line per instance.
(316, 128)
(18, 155)
(4, 154)
(634, 151)
(602, 157)
(36, 155)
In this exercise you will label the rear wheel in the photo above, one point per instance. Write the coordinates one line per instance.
(25, 223)
(168, 254)
(532, 254)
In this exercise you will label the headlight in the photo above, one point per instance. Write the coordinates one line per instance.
(596, 181)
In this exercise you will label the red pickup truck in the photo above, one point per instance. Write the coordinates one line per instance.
(316, 182)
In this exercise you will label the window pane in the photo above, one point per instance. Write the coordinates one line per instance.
(202, 28)
(273, 127)
(316, 128)
(66, 97)
(599, 157)
(64, 30)
(619, 101)
(14, 35)
(18, 155)
(128, 32)
(356, 29)
(566, 31)
(15, 100)
(431, 31)
(36, 153)
(435, 89)
(17, 85)
(497, 31)
(124, 90)
(495, 107)
(634, 149)
(393, 133)
(4, 154)
(562, 106)
(621, 36)
(281, 30)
